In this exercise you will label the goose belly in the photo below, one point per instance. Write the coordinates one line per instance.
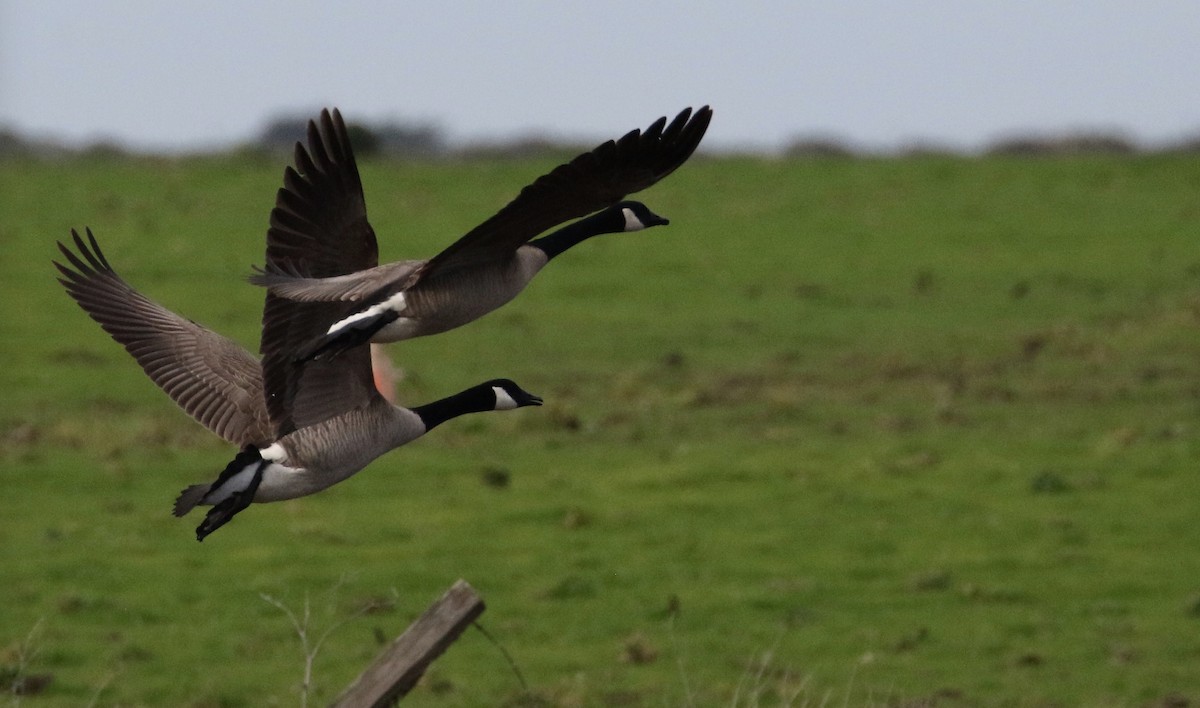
(322, 455)
(281, 482)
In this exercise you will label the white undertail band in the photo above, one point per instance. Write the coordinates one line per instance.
(395, 303)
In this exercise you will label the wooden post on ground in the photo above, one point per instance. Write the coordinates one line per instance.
(398, 667)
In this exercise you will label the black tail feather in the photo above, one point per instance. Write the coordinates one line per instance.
(222, 512)
(189, 498)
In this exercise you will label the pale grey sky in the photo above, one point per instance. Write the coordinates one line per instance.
(187, 74)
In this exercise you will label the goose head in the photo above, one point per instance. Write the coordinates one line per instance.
(494, 395)
(508, 395)
(622, 216)
(636, 216)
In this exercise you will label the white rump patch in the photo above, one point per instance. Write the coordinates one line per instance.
(504, 402)
(632, 222)
(395, 303)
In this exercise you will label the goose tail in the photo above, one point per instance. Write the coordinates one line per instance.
(233, 491)
(189, 498)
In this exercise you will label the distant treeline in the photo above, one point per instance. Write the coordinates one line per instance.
(428, 141)
(279, 136)
(1030, 144)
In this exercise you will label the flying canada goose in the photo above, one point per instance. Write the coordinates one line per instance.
(300, 433)
(321, 211)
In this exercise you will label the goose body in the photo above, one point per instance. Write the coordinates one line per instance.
(300, 431)
(395, 312)
(319, 456)
(311, 459)
(321, 211)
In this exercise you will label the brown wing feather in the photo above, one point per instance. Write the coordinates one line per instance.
(344, 288)
(318, 229)
(588, 183)
(209, 376)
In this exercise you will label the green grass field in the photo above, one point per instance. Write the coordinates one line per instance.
(878, 431)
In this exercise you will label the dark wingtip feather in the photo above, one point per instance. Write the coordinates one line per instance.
(96, 249)
(655, 129)
(95, 261)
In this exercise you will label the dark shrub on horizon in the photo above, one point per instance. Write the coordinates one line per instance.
(1066, 144)
(819, 146)
(521, 147)
(1186, 146)
(389, 138)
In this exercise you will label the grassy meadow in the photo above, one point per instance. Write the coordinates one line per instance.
(859, 431)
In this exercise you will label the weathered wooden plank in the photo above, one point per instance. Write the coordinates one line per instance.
(398, 667)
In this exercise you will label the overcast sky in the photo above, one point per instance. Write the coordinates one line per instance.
(188, 74)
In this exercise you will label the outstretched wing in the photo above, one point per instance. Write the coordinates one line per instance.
(588, 183)
(319, 223)
(318, 229)
(209, 376)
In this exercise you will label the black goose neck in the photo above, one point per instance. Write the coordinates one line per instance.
(472, 400)
(574, 233)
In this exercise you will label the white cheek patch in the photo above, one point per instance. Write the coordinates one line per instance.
(632, 222)
(504, 402)
(395, 303)
(274, 453)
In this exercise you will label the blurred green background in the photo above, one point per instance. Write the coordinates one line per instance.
(850, 430)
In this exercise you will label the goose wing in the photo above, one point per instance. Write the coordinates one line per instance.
(344, 288)
(318, 229)
(209, 376)
(588, 183)
(300, 395)
(320, 216)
